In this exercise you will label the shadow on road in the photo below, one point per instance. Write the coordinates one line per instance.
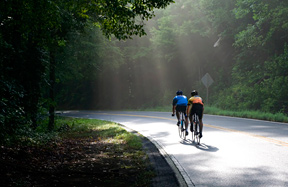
(202, 146)
(208, 148)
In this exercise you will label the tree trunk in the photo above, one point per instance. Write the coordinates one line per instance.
(51, 91)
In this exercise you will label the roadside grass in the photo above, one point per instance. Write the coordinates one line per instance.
(104, 130)
(132, 160)
(81, 152)
(278, 117)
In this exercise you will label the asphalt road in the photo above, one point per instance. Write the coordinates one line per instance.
(233, 151)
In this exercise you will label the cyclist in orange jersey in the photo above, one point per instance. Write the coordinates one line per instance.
(197, 106)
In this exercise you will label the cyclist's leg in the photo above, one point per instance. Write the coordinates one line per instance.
(186, 118)
(186, 125)
(186, 122)
(193, 111)
(183, 110)
(191, 121)
(201, 127)
(178, 114)
(200, 114)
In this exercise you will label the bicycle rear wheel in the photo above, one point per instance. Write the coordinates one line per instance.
(197, 130)
(192, 128)
(192, 131)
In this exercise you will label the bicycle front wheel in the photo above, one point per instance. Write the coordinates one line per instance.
(180, 130)
(183, 130)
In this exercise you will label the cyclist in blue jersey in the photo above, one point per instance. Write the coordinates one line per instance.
(179, 105)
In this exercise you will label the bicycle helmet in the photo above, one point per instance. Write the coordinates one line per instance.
(179, 92)
(194, 92)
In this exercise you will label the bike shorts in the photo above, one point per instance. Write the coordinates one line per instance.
(198, 109)
(180, 108)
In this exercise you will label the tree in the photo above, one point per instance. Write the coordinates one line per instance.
(33, 33)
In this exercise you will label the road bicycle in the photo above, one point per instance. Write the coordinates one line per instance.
(181, 127)
(196, 127)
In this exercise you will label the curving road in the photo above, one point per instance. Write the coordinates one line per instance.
(233, 151)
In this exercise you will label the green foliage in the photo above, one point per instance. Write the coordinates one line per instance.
(257, 84)
(11, 110)
(26, 136)
(267, 22)
(274, 85)
(123, 18)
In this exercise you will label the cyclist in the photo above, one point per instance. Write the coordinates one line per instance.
(197, 106)
(180, 104)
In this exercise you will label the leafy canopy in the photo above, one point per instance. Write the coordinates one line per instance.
(122, 18)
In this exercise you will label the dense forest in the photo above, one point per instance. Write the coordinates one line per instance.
(47, 43)
(134, 54)
(241, 44)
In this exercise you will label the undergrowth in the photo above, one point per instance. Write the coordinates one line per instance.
(83, 152)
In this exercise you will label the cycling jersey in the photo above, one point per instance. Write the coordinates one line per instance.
(195, 100)
(180, 100)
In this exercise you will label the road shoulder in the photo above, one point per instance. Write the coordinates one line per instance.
(167, 173)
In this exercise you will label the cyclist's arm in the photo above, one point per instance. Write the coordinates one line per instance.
(173, 109)
(174, 103)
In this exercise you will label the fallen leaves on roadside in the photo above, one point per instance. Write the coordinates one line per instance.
(77, 162)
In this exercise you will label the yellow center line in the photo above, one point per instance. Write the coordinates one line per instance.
(278, 142)
(132, 115)
(250, 134)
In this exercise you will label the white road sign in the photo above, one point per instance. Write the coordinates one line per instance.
(207, 80)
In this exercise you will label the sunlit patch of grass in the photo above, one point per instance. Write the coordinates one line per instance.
(120, 146)
(132, 140)
(89, 127)
(104, 130)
